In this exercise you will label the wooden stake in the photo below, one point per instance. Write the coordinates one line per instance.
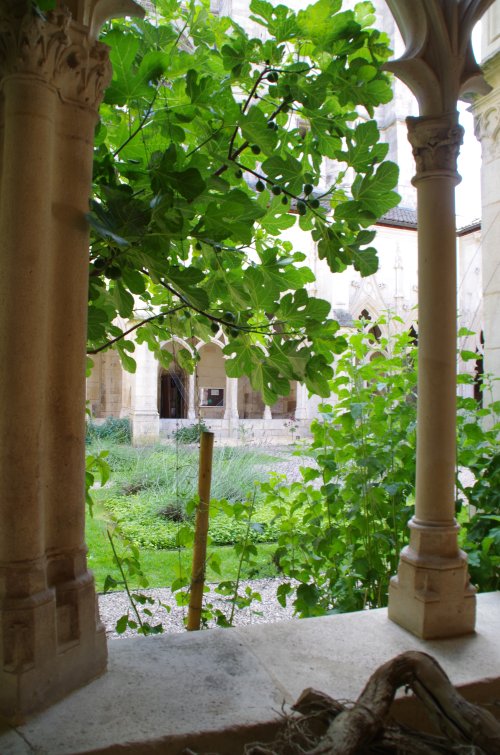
(201, 532)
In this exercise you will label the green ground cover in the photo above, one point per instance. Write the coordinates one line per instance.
(151, 495)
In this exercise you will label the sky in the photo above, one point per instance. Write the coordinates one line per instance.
(468, 192)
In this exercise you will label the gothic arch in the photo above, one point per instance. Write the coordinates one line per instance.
(173, 383)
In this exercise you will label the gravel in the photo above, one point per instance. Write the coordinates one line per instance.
(114, 605)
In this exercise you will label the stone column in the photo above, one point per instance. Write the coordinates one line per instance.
(52, 76)
(267, 412)
(191, 412)
(231, 409)
(487, 122)
(431, 595)
(301, 409)
(145, 416)
(431, 592)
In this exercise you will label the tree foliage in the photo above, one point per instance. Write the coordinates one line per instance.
(211, 144)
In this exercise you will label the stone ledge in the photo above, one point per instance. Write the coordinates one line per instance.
(218, 689)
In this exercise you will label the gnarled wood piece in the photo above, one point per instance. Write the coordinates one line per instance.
(460, 721)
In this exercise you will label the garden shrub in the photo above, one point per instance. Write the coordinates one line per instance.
(190, 433)
(478, 505)
(152, 491)
(342, 528)
(116, 430)
(145, 523)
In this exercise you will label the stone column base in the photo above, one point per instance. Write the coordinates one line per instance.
(53, 642)
(145, 427)
(432, 597)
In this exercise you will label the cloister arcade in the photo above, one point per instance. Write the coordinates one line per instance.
(51, 638)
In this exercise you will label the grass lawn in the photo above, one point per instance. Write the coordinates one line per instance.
(147, 481)
(161, 566)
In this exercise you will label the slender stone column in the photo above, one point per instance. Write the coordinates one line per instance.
(301, 409)
(267, 412)
(231, 410)
(145, 415)
(191, 412)
(431, 593)
(52, 76)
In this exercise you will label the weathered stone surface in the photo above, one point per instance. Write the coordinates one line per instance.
(213, 690)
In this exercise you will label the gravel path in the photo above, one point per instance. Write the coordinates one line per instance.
(114, 605)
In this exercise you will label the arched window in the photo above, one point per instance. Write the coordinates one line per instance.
(375, 330)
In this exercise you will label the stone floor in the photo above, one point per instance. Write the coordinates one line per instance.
(214, 690)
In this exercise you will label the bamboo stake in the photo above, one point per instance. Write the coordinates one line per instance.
(201, 532)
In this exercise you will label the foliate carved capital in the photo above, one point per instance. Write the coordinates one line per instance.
(487, 131)
(56, 51)
(435, 143)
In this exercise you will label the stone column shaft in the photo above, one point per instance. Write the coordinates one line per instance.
(431, 595)
(231, 409)
(67, 311)
(301, 408)
(145, 415)
(437, 333)
(191, 411)
(52, 76)
(27, 177)
(487, 120)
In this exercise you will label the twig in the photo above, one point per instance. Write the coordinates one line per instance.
(118, 562)
(131, 330)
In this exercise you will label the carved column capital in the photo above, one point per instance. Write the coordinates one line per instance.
(58, 52)
(435, 144)
(487, 130)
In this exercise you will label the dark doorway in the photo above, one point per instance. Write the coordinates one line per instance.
(173, 394)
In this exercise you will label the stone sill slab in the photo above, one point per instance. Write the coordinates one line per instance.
(214, 690)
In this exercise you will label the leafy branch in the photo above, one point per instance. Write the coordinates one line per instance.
(137, 325)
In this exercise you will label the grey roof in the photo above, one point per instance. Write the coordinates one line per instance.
(401, 217)
(474, 225)
(343, 317)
